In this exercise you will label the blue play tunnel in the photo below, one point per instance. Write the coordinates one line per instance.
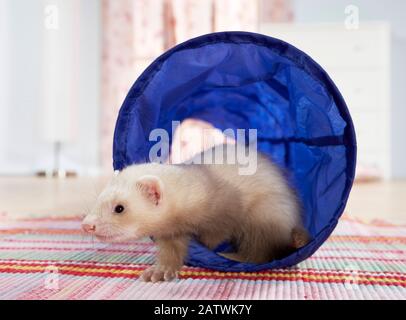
(246, 80)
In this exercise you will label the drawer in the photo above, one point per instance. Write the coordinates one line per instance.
(371, 130)
(362, 89)
(334, 45)
(373, 160)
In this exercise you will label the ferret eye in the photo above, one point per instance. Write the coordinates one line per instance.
(118, 208)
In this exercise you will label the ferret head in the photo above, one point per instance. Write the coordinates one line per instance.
(126, 209)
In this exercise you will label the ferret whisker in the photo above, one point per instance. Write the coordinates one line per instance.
(258, 213)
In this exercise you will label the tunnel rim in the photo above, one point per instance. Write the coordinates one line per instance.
(293, 54)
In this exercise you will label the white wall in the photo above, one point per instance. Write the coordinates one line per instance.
(22, 149)
(4, 83)
(394, 12)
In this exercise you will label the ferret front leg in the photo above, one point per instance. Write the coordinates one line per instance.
(170, 259)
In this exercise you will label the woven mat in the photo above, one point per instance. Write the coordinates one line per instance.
(50, 258)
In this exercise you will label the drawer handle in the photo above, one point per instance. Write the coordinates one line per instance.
(357, 48)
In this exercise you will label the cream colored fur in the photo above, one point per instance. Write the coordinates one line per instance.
(257, 213)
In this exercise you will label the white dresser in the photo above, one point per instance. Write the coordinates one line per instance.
(358, 61)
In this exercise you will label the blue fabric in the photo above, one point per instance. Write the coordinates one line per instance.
(246, 80)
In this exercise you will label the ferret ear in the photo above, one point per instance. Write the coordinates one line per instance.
(151, 188)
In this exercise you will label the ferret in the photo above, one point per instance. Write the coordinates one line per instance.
(258, 214)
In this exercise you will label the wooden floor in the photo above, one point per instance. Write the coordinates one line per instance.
(48, 196)
(72, 196)
(379, 200)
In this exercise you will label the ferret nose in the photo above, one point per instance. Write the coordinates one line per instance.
(89, 228)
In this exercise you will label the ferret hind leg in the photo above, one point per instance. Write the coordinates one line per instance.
(211, 239)
(235, 256)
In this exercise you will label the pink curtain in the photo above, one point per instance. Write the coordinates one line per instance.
(135, 32)
(118, 66)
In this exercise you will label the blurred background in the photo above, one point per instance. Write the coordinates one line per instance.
(66, 67)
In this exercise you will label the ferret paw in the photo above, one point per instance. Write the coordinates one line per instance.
(159, 273)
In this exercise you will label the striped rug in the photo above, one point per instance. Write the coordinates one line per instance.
(49, 258)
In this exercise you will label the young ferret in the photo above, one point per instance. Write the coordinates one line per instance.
(258, 214)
